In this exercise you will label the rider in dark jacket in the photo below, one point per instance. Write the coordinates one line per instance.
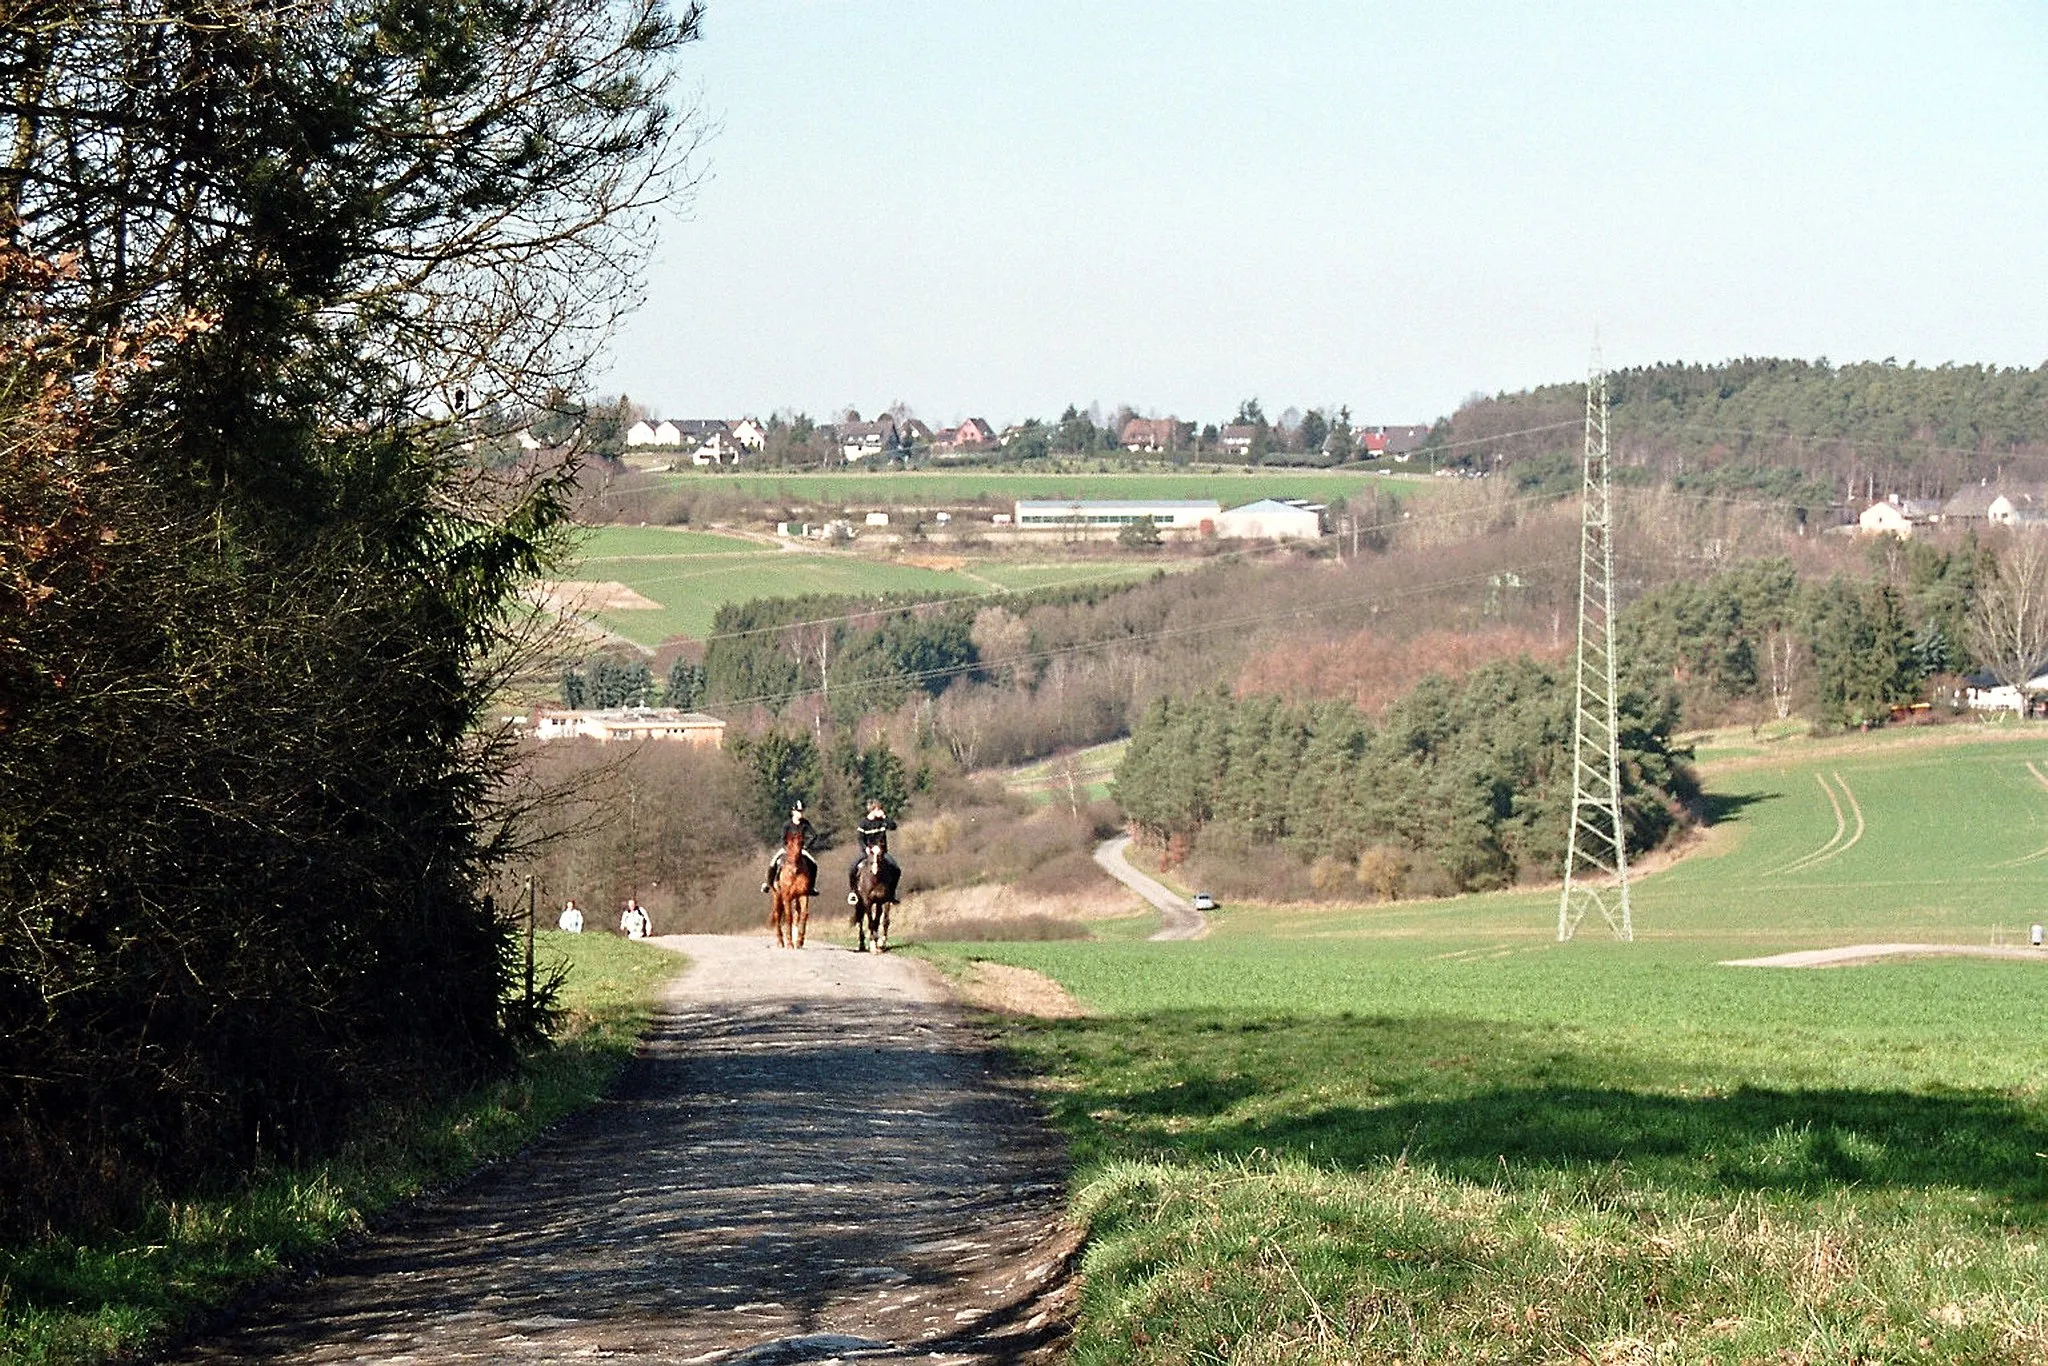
(873, 830)
(801, 825)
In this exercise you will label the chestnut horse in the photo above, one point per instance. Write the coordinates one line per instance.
(791, 908)
(871, 911)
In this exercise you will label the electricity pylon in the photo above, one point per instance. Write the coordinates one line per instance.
(1596, 848)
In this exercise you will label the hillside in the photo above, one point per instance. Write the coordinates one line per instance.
(1806, 431)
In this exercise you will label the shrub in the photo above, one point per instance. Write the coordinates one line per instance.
(1383, 871)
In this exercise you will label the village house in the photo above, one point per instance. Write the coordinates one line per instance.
(1237, 438)
(667, 432)
(751, 433)
(859, 440)
(1400, 442)
(973, 434)
(1985, 503)
(1150, 434)
(719, 448)
(1897, 516)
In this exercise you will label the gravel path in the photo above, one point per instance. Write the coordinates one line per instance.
(1854, 955)
(815, 1159)
(1178, 919)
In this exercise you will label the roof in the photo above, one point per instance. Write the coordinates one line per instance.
(1975, 500)
(1090, 504)
(1269, 505)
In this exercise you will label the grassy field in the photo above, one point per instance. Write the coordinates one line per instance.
(1427, 1133)
(105, 1300)
(925, 488)
(691, 574)
(1091, 768)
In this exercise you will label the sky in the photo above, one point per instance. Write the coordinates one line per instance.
(996, 208)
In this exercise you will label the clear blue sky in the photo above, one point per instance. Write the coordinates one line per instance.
(998, 207)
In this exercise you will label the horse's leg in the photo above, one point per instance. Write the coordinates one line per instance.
(803, 919)
(882, 931)
(775, 914)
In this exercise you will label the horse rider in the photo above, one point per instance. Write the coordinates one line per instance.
(873, 831)
(801, 827)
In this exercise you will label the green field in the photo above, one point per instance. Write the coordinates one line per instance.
(1091, 771)
(1427, 1132)
(691, 574)
(923, 488)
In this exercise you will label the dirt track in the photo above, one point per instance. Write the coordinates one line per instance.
(1177, 919)
(816, 1159)
(1856, 955)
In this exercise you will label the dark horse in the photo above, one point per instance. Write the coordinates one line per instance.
(875, 889)
(791, 908)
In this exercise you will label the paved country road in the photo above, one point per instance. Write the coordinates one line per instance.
(1178, 920)
(815, 1159)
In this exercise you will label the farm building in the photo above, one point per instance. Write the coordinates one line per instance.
(1271, 519)
(1983, 692)
(1897, 516)
(1191, 516)
(630, 723)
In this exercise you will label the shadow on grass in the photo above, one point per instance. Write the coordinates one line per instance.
(1719, 807)
(1485, 1101)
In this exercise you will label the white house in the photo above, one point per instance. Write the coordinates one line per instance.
(1897, 516)
(629, 723)
(1985, 693)
(719, 448)
(1271, 519)
(859, 440)
(640, 434)
(750, 432)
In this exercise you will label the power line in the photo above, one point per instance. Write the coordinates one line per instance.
(1596, 841)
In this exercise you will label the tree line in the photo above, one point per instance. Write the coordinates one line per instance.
(1470, 780)
(257, 590)
(1841, 651)
(1806, 431)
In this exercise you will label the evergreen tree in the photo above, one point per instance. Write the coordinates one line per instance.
(685, 688)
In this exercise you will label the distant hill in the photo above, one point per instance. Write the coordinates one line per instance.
(1806, 431)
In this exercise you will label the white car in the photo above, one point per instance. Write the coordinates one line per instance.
(1204, 902)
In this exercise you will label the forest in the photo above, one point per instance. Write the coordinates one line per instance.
(1799, 431)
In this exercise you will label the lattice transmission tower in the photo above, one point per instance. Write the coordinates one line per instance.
(1596, 849)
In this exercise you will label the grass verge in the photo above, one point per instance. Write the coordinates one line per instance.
(65, 1303)
(1355, 1151)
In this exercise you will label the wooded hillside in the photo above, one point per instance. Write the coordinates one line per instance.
(1803, 430)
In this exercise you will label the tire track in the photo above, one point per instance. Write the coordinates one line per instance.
(1837, 846)
(1841, 825)
(2042, 852)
